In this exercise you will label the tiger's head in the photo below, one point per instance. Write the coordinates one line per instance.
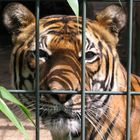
(60, 49)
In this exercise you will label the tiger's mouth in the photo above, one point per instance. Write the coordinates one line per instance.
(62, 124)
(62, 121)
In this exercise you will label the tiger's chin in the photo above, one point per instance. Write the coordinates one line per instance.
(64, 128)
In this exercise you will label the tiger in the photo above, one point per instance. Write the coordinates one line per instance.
(60, 55)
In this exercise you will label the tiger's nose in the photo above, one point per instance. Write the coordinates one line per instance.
(62, 98)
(55, 86)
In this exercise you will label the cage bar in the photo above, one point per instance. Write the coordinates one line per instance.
(37, 71)
(128, 109)
(73, 92)
(83, 69)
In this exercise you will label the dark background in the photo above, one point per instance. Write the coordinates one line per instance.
(49, 7)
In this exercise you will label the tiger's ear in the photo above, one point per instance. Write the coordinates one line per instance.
(112, 17)
(16, 16)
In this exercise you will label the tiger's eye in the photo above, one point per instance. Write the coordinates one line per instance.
(42, 53)
(89, 55)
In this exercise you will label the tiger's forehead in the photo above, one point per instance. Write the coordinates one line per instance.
(60, 32)
(63, 32)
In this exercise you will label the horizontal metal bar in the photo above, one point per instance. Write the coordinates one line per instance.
(72, 92)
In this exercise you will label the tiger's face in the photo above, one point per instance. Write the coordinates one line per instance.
(60, 49)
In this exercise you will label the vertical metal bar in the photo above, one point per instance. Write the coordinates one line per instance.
(37, 70)
(83, 68)
(128, 125)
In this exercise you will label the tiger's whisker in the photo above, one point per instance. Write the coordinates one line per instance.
(92, 122)
(97, 121)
